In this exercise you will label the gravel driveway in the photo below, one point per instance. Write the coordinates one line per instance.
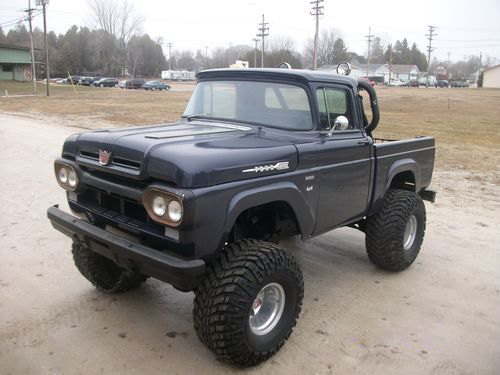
(441, 316)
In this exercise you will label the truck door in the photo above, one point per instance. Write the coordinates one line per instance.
(344, 159)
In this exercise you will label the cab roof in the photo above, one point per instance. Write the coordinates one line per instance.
(289, 74)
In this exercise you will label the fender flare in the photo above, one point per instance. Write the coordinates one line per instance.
(403, 165)
(285, 191)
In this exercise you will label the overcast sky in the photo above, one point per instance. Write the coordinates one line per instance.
(464, 27)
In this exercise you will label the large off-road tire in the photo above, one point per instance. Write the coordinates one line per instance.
(233, 306)
(103, 273)
(395, 234)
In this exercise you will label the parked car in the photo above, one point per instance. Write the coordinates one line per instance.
(442, 83)
(459, 84)
(135, 83)
(89, 81)
(412, 83)
(155, 85)
(122, 83)
(75, 79)
(395, 82)
(373, 83)
(106, 82)
(196, 203)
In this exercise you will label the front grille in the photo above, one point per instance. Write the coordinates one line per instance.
(116, 160)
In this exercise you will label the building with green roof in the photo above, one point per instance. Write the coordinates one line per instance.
(15, 63)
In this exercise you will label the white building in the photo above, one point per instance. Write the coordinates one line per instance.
(178, 75)
(405, 72)
(395, 71)
(491, 77)
(239, 64)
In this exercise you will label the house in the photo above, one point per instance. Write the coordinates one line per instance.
(405, 72)
(441, 72)
(375, 70)
(491, 77)
(15, 63)
(364, 70)
(383, 71)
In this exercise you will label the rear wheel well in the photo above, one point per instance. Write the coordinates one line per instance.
(404, 181)
(270, 221)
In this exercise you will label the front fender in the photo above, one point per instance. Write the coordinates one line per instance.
(285, 191)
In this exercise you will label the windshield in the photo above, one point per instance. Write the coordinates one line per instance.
(264, 103)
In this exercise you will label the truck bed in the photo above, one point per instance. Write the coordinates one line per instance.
(394, 156)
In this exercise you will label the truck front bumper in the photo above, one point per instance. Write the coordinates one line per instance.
(183, 274)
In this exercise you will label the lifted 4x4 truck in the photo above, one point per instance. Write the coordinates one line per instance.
(259, 155)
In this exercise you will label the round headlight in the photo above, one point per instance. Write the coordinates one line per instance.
(63, 175)
(72, 179)
(159, 206)
(175, 211)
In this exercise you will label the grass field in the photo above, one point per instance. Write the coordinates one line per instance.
(465, 122)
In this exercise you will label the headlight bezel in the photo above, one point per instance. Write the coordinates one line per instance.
(147, 200)
(69, 170)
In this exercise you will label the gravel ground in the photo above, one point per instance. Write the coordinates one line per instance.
(438, 317)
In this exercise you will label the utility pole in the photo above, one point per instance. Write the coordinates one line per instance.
(429, 36)
(390, 63)
(369, 38)
(206, 57)
(255, 53)
(47, 74)
(264, 31)
(448, 67)
(317, 10)
(33, 72)
(169, 45)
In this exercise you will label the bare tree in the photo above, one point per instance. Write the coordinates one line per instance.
(331, 48)
(119, 20)
(281, 43)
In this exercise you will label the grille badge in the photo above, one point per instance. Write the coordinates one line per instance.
(104, 157)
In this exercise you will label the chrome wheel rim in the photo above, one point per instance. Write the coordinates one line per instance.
(410, 232)
(267, 309)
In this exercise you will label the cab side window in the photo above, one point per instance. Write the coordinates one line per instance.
(333, 103)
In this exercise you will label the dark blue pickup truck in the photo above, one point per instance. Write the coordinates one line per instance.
(259, 155)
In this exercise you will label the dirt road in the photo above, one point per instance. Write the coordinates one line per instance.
(441, 316)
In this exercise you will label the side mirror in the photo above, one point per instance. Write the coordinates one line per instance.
(340, 123)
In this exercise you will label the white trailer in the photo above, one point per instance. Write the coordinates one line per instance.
(178, 75)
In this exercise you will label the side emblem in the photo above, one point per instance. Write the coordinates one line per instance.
(104, 157)
(265, 168)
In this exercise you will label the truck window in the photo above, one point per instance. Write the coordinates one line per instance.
(286, 97)
(332, 103)
(270, 104)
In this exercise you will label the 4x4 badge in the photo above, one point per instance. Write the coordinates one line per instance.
(104, 157)
(272, 167)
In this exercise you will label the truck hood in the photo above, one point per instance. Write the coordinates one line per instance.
(186, 154)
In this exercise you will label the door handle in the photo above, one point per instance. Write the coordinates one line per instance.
(364, 142)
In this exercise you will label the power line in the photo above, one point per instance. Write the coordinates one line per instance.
(429, 36)
(469, 40)
(369, 39)
(263, 32)
(317, 10)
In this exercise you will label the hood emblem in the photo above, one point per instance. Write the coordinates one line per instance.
(271, 167)
(104, 157)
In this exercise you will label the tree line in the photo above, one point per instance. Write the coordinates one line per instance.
(113, 45)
